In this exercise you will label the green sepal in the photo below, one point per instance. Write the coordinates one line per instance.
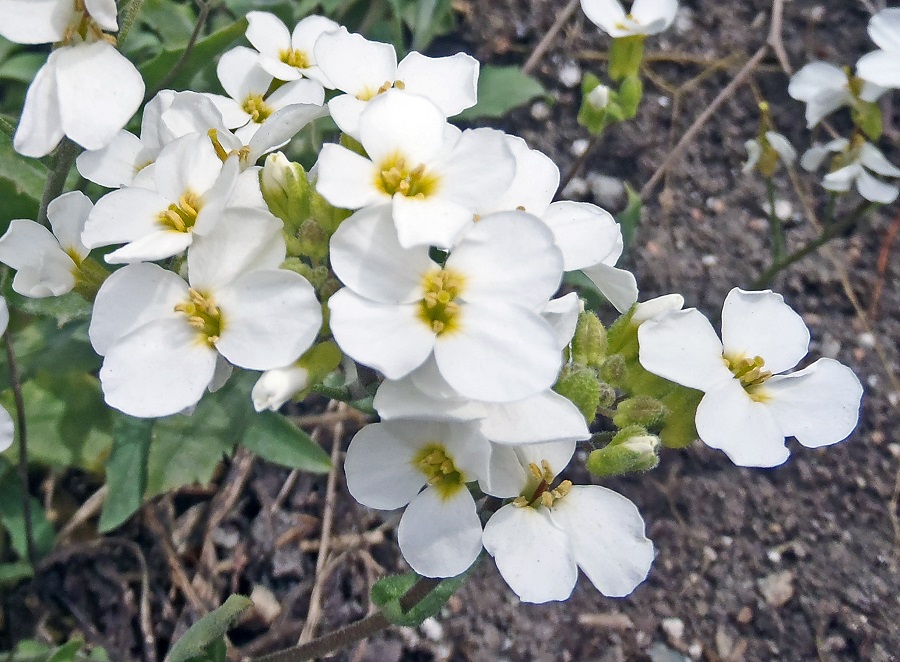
(867, 116)
(625, 54)
(388, 592)
(641, 410)
(632, 449)
(580, 385)
(629, 97)
(589, 341)
(589, 116)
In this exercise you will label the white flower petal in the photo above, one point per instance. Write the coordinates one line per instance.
(818, 405)
(35, 21)
(547, 416)
(586, 234)
(158, 369)
(389, 338)
(431, 221)
(506, 476)
(533, 186)
(782, 146)
(875, 190)
(657, 307)
(400, 398)
(555, 454)
(152, 246)
(397, 123)
(67, 215)
(345, 110)
(450, 82)
(813, 158)
(729, 420)
(500, 353)
(379, 466)
(873, 159)
(116, 164)
(619, 286)
(606, 15)
(754, 152)
(562, 314)
(842, 179)
(240, 74)
(762, 324)
(346, 179)
(879, 68)
(267, 33)
(656, 13)
(40, 127)
(534, 557)
(298, 91)
(4, 315)
(367, 257)
(187, 165)
(99, 90)
(607, 534)
(281, 126)
(683, 347)
(269, 318)
(42, 268)
(103, 12)
(124, 215)
(478, 169)
(884, 29)
(132, 297)
(510, 257)
(354, 64)
(7, 430)
(440, 537)
(814, 78)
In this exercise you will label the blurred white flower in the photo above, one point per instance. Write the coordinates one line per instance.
(854, 167)
(758, 147)
(647, 17)
(824, 88)
(288, 55)
(882, 67)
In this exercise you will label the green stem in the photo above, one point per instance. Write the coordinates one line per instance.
(130, 15)
(56, 179)
(16, 383)
(342, 394)
(775, 224)
(829, 233)
(829, 209)
(354, 632)
(205, 8)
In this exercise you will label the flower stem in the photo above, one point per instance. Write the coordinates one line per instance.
(352, 633)
(775, 224)
(832, 231)
(56, 179)
(16, 382)
(130, 15)
(342, 394)
(205, 8)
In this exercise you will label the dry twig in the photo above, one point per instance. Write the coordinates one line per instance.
(544, 44)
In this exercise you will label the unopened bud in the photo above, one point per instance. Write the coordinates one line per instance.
(581, 386)
(613, 370)
(598, 98)
(657, 307)
(277, 386)
(589, 341)
(286, 190)
(625, 455)
(640, 410)
(607, 395)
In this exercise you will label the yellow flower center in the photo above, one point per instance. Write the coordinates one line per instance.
(368, 93)
(749, 372)
(255, 106)
(439, 469)
(182, 216)
(539, 488)
(396, 175)
(85, 27)
(438, 308)
(202, 314)
(295, 58)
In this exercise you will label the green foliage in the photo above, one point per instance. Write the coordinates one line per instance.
(204, 641)
(625, 54)
(580, 385)
(12, 518)
(30, 650)
(21, 184)
(630, 217)
(500, 89)
(388, 592)
(278, 440)
(126, 470)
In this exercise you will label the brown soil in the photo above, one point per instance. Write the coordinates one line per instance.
(795, 563)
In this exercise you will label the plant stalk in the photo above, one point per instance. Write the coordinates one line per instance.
(56, 179)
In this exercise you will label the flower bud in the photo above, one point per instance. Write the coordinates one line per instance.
(286, 190)
(277, 386)
(589, 341)
(657, 307)
(580, 385)
(598, 98)
(635, 450)
(640, 410)
(613, 370)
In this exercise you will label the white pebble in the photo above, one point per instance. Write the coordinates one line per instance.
(866, 339)
(674, 628)
(709, 260)
(663, 101)
(540, 111)
(432, 629)
(570, 74)
(580, 146)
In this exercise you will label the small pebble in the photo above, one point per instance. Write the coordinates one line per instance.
(745, 615)
(866, 339)
(872, 381)
(570, 74)
(894, 398)
(774, 556)
(695, 650)
(674, 629)
(579, 146)
(777, 588)
(432, 629)
(576, 188)
(540, 111)
(709, 260)
(783, 208)
(608, 192)
(663, 102)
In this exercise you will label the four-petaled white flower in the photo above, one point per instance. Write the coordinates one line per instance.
(479, 314)
(288, 55)
(646, 17)
(824, 88)
(882, 67)
(46, 263)
(771, 140)
(854, 164)
(541, 539)
(748, 409)
(365, 69)
(388, 465)
(161, 338)
(434, 176)
(86, 90)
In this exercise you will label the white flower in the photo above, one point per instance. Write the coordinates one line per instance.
(882, 67)
(247, 84)
(434, 176)
(479, 314)
(855, 163)
(288, 55)
(7, 428)
(540, 540)
(645, 18)
(277, 386)
(161, 338)
(86, 92)
(365, 69)
(48, 21)
(192, 187)
(46, 263)
(824, 88)
(748, 409)
(388, 465)
(598, 98)
(653, 308)
(772, 140)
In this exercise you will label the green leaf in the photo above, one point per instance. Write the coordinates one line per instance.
(22, 67)
(21, 184)
(629, 218)
(67, 308)
(387, 593)
(274, 438)
(13, 520)
(12, 573)
(500, 89)
(205, 633)
(173, 22)
(586, 289)
(126, 470)
(204, 53)
(66, 652)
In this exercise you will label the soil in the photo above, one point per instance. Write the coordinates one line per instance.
(795, 563)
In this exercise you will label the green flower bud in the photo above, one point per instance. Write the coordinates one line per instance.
(613, 371)
(607, 395)
(640, 410)
(320, 360)
(286, 190)
(589, 341)
(637, 452)
(580, 385)
(313, 241)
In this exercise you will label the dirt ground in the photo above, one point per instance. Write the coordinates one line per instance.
(795, 563)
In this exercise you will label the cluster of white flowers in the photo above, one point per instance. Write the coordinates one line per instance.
(440, 269)
(826, 88)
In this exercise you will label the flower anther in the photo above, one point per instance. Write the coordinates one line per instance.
(255, 106)
(294, 57)
(439, 469)
(438, 308)
(395, 175)
(203, 315)
(749, 372)
(182, 216)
